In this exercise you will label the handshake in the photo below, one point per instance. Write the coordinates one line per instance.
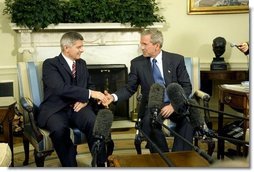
(103, 98)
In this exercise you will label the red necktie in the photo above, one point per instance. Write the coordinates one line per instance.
(73, 71)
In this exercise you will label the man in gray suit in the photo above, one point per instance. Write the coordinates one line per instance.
(68, 98)
(172, 69)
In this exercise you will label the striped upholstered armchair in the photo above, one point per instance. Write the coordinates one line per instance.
(29, 74)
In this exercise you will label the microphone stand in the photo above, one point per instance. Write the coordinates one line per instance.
(197, 149)
(163, 156)
(216, 111)
(95, 150)
(213, 135)
(219, 136)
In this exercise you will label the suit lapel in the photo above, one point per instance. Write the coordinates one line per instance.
(147, 69)
(166, 68)
(64, 63)
(79, 70)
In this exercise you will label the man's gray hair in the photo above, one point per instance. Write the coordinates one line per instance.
(156, 36)
(69, 38)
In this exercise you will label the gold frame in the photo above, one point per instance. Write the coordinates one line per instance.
(192, 9)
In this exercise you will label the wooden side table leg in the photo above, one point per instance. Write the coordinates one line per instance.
(220, 144)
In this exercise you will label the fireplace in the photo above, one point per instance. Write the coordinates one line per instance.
(111, 77)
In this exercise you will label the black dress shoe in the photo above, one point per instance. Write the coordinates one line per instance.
(101, 165)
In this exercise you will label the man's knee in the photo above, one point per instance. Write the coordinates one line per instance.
(60, 133)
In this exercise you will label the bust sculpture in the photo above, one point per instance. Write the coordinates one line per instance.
(219, 47)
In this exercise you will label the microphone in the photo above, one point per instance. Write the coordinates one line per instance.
(155, 100)
(234, 45)
(182, 105)
(155, 103)
(178, 100)
(101, 132)
(103, 124)
(196, 119)
(177, 97)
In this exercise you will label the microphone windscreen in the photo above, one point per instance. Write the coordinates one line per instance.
(177, 98)
(196, 119)
(156, 96)
(103, 123)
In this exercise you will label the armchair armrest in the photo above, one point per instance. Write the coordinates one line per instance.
(26, 104)
(200, 95)
(29, 121)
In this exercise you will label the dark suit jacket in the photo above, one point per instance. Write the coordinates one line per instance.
(59, 88)
(174, 70)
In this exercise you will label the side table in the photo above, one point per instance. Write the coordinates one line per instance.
(7, 112)
(238, 98)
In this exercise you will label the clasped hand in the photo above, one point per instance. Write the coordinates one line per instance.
(107, 98)
(104, 99)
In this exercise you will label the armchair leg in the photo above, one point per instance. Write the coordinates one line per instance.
(26, 150)
(211, 147)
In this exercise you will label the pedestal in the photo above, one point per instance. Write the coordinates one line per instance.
(218, 64)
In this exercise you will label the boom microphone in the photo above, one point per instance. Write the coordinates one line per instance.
(155, 101)
(103, 124)
(196, 119)
(177, 97)
(182, 105)
(101, 132)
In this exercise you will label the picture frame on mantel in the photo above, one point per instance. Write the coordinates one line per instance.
(217, 6)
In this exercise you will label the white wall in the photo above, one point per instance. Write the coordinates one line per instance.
(192, 35)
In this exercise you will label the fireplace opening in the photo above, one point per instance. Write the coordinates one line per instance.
(6, 89)
(111, 77)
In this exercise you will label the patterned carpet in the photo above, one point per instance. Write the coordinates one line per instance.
(124, 144)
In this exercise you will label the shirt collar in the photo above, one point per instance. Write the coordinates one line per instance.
(158, 58)
(68, 60)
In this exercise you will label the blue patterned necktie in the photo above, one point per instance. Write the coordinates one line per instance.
(157, 74)
(159, 79)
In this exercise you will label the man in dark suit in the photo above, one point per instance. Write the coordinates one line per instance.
(172, 68)
(68, 95)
